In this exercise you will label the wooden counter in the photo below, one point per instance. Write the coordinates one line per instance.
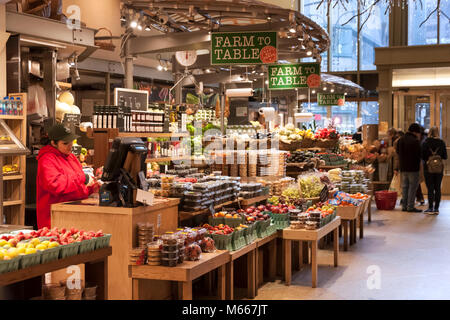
(122, 224)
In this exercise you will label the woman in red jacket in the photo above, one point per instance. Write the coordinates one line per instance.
(60, 177)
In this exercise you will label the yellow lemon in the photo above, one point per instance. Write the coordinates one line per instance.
(53, 244)
(35, 241)
(21, 245)
(1, 256)
(41, 247)
(30, 245)
(6, 246)
(46, 242)
(30, 251)
(3, 242)
(13, 252)
(6, 257)
(21, 250)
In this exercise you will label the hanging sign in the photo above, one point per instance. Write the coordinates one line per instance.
(330, 99)
(291, 76)
(244, 48)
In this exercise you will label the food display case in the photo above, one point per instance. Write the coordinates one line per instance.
(10, 148)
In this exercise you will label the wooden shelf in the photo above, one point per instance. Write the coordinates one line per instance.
(41, 269)
(153, 135)
(13, 177)
(6, 117)
(64, 85)
(166, 159)
(12, 203)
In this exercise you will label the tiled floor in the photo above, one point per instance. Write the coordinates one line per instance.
(409, 251)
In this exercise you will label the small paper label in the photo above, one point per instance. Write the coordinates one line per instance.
(158, 221)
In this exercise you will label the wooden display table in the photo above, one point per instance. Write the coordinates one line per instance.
(350, 217)
(122, 224)
(183, 273)
(312, 236)
(185, 215)
(250, 252)
(270, 244)
(96, 271)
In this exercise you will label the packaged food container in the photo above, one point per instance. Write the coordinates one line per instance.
(193, 195)
(193, 252)
(170, 247)
(169, 239)
(191, 237)
(169, 262)
(169, 254)
(201, 232)
(155, 246)
(181, 256)
(207, 244)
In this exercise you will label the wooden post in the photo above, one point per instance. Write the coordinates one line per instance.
(361, 226)
(314, 263)
(230, 282)
(345, 223)
(186, 293)
(221, 283)
(251, 279)
(287, 261)
(336, 247)
(272, 259)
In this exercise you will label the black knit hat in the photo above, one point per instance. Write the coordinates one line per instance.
(414, 127)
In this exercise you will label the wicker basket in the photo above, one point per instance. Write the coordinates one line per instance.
(307, 143)
(327, 143)
(290, 146)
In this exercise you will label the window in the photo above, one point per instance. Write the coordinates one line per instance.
(344, 38)
(309, 9)
(375, 33)
(320, 113)
(417, 13)
(445, 22)
(369, 112)
(345, 117)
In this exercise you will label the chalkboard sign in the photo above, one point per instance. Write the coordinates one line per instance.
(136, 99)
(71, 121)
(324, 194)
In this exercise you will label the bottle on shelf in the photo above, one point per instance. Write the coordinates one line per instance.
(19, 106)
(95, 117)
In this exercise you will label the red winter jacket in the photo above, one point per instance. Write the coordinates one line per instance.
(60, 178)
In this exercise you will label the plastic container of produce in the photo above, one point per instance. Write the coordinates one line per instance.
(170, 247)
(193, 252)
(169, 239)
(207, 245)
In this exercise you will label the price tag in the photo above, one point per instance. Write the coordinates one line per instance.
(158, 221)
(324, 194)
(144, 197)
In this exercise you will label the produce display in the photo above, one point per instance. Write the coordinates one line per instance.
(290, 134)
(310, 185)
(368, 153)
(353, 181)
(314, 217)
(326, 133)
(27, 248)
(332, 159)
(343, 199)
(300, 156)
(10, 169)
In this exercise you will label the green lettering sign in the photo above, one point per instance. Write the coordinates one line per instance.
(291, 76)
(330, 99)
(243, 48)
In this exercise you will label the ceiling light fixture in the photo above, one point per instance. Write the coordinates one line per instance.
(292, 30)
(332, 90)
(313, 92)
(160, 67)
(133, 24)
(147, 28)
(309, 53)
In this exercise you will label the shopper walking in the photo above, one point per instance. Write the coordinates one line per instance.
(434, 151)
(60, 177)
(409, 154)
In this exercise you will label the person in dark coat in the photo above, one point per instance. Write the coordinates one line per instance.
(409, 154)
(433, 180)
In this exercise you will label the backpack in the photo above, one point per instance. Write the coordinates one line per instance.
(435, 163)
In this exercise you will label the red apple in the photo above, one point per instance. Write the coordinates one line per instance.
(261, 208)
(249, 210)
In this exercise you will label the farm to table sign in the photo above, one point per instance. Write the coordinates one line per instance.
(243, 48)
(291, 76)
(330, 99)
